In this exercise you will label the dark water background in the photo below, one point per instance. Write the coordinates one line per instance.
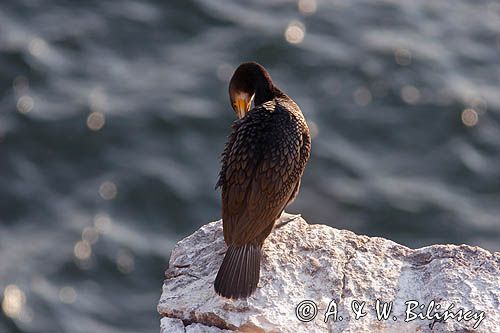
(113, 115)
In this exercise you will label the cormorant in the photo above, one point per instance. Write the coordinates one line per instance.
(262, 164)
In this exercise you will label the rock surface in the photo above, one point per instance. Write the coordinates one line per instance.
(322, 264)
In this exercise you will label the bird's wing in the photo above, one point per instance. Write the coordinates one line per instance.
(261, 167)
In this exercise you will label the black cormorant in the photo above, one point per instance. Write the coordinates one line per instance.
(262, 165)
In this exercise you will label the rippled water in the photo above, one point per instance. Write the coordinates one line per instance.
(113, 116)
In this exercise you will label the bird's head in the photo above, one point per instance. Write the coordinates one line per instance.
(241, 91)
(249, 80)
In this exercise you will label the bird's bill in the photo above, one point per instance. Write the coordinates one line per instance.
(242, 103)
(241, 107)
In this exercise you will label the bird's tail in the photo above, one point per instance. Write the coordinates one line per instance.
(239, 273)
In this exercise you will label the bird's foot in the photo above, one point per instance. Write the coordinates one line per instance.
(285, 218)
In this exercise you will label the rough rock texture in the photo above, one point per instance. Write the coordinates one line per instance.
(321, 264)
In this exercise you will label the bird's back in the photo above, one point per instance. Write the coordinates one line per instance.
(262, 165)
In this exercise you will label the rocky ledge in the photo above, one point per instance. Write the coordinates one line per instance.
(310, 273)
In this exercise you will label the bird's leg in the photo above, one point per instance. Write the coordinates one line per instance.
(284, 219)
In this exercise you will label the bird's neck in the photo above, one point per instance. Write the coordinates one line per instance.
(265, 90)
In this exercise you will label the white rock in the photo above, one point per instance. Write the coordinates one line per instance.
(321, 264)
(171, 325)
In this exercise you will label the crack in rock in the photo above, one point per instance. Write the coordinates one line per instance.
(347, 262)
(206, 319)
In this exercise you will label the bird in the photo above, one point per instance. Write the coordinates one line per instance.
(262, 165)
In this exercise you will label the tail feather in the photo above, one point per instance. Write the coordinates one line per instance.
(239, 273)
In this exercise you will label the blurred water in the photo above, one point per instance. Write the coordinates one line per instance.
(113, 116)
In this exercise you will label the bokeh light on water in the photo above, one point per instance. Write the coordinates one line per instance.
(114, 114)
(295, 32)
